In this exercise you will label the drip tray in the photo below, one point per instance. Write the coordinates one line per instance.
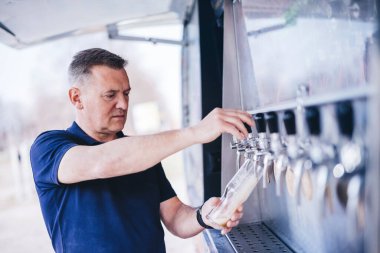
(255, 237)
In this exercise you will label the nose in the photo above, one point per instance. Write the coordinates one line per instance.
(122, 102)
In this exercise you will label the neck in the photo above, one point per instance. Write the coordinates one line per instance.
(93, 133)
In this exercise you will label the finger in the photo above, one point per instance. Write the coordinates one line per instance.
(240, 208)
(240, 123)
(225, 231)
(236, 216)
(242, 115)
(237, 123)
(213, 200)
(231, 224)
(236, 118)
(229, 128)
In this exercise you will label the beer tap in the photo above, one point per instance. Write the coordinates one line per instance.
(351, 152)
(236, 144)
(241, 146)
(298, 161)
(262, 155)
(350, 170)
(292, 151)
(279, 157)
(299, 165)
(322, 156)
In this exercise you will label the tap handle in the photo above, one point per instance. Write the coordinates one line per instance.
(290, 122)
(355, 198)
(272, 121)
(260, 122)
(248, 127)
(345, 115)
(313, 120)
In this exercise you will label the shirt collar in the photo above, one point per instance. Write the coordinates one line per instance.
(78, 132)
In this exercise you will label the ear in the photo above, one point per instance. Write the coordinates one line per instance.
(74, 95)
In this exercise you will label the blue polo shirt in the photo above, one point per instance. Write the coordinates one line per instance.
(120, 214)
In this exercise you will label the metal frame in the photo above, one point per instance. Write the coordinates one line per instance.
(191, 105)
(234, 77)
(372, 191)
(349, 94)
(113, 33)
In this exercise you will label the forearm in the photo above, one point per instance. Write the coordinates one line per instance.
(121, 156)
(181, 220)
(185, 224)
(134, 154)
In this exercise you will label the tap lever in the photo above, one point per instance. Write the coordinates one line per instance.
(280, 167)
(355, 206)
(248, 127)
(260, 122)
(290, 122)
(351, 153)
(272, 122)
(313, 120)
(300, 167)
(345, 115)
(322, 190)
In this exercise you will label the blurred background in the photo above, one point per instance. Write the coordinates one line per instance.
(187, 57)
(34, 98)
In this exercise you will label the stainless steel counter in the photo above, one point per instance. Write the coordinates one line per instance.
(252, 237)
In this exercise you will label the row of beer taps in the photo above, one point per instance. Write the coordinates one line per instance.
(312, 167)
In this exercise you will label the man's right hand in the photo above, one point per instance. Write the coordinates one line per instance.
(220, 121)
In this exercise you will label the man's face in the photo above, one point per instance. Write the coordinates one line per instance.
(105, 98)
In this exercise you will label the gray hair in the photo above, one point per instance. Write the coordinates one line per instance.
(84, 60)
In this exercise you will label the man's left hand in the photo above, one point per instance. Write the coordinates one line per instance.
(232, 222)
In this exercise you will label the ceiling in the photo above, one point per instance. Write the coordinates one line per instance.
(27, 22)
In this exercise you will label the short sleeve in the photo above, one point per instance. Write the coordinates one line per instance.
(166, 190)
(46, 154)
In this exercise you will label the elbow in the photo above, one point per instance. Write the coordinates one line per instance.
(174, 229)
(184, 236)
(181, 232)
(178, 234)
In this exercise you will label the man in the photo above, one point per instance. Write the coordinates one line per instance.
(102, 192)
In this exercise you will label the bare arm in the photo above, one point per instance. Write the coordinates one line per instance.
(181, 221)
(134, 154)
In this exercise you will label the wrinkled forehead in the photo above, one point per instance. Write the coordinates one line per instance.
(104, 70)
(105, 77)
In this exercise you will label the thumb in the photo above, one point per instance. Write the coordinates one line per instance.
(210, 204)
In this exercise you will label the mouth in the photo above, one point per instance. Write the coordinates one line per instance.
(119, 116)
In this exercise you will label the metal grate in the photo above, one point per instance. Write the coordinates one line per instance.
(255, 237)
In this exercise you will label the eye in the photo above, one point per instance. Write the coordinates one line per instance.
(109, 96)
